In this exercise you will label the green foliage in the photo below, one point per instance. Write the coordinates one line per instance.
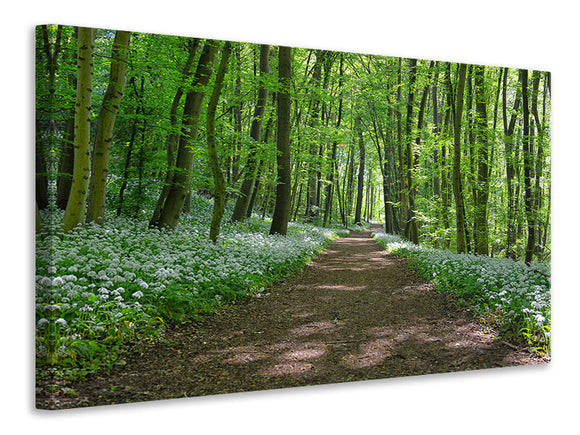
(513, 295)
(102, 287)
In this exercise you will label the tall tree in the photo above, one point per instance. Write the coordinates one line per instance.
(105, 127)
(361, 170)
(173, 136)
(76, 205)
(411, 227)
(509, 128)
(457, 190)
(528, 155)
(312, 191)
(332, 170)
(241, 207)
(283, 186)
(181, 183)
(481, 190)
(219, 201)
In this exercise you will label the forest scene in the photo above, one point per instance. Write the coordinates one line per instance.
(216, 216)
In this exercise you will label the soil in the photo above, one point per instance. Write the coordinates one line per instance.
(354, 313)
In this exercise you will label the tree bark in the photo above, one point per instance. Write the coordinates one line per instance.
(282, 207)
(411, 227)
(457, 191)
(312, 195)
(219, 201)
(510, 170)
(173, 137)
(181, 184)
(105, 127)
(361, 171)
(241, 207)
(528, 168)
(75, 209)
(482, 147)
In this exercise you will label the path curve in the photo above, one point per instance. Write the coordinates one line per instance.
(354, 313)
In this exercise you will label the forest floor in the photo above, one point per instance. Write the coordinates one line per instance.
(354, 313)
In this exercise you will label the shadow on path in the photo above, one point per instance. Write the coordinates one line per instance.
(354, 313)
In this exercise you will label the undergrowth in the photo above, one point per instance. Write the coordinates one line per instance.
(100, 287)
(508, 294)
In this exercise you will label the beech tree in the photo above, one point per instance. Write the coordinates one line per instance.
(105, 128)
(482, 186)
(243, 201)
(440, 169)
(76, 205)
(218, 175)
(457, 187)
(282, 208)
(181, 183)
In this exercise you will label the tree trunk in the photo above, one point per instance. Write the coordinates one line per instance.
(173, 137)
(510, 170)
(282, 207)
(457, 191)
(482, 147)
(105, 127)
(219, 201)
(75, 209)
(402, 164)
(181, 183)
(361, 171)
(411, 227)
(241, 207)
(66, 164)
(312, 195)
(528, 156)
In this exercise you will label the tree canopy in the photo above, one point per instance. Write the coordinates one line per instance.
(448, 155)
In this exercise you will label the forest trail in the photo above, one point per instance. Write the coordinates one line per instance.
(354, 313)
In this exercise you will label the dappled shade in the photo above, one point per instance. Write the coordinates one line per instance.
(329, 324)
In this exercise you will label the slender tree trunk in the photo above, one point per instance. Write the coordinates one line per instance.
(330, 185)
(75, 209)
(340, 198)
(540, 246)
(350, 181)
(312, 196)
(510, 170)
(66, 164)
(219, 202)
(361, 171)
(527, 150)
(457, 191)
(241, 207)
(402, 163)
(105, 127)
(411, 227)
(173, 137)
(181, 184)
(282, 207)
(482, 147)
(126, 167)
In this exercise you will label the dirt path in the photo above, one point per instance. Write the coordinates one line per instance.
(354, 313)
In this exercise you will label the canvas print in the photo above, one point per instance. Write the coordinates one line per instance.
(217, 216)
